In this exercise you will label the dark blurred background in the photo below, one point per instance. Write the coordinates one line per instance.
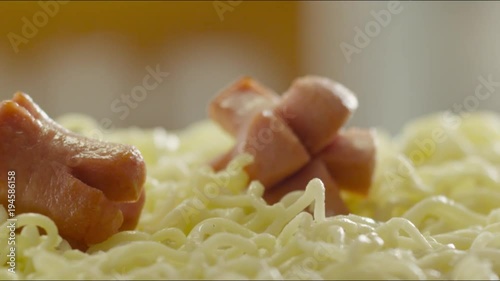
(402, 59)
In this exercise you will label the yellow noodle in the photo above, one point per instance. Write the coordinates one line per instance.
(438, 218)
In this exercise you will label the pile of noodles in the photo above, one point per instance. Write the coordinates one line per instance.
(433, 212)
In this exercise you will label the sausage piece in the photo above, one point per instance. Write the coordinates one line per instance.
(85, 208)
(350, 159)
(277, 152)
(316, 108)
(131, 212)
(116, 169)
(309, 117)
(237, 103)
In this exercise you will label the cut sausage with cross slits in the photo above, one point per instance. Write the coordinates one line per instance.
(309, 145)
(276, 150)
(90, 189)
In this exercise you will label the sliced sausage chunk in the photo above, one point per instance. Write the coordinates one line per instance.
(350, 159)
(311, 113)
(334, 205)
(91, 189)
(277, 152)
(236, 104)
(316, 108)
(116, 169)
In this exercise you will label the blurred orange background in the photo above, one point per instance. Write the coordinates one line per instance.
(88, 55)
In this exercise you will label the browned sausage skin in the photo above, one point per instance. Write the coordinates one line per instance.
(277, 152)
(238, 102)
(350, 159)
(308, 143)
(316, 108)
(86, 208)
(92, 161)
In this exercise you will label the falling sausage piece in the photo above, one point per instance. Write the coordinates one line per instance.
(236, 104)
(316, 108)
(350, 159)
(334, 205)
(276, 150)
(46, 158)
